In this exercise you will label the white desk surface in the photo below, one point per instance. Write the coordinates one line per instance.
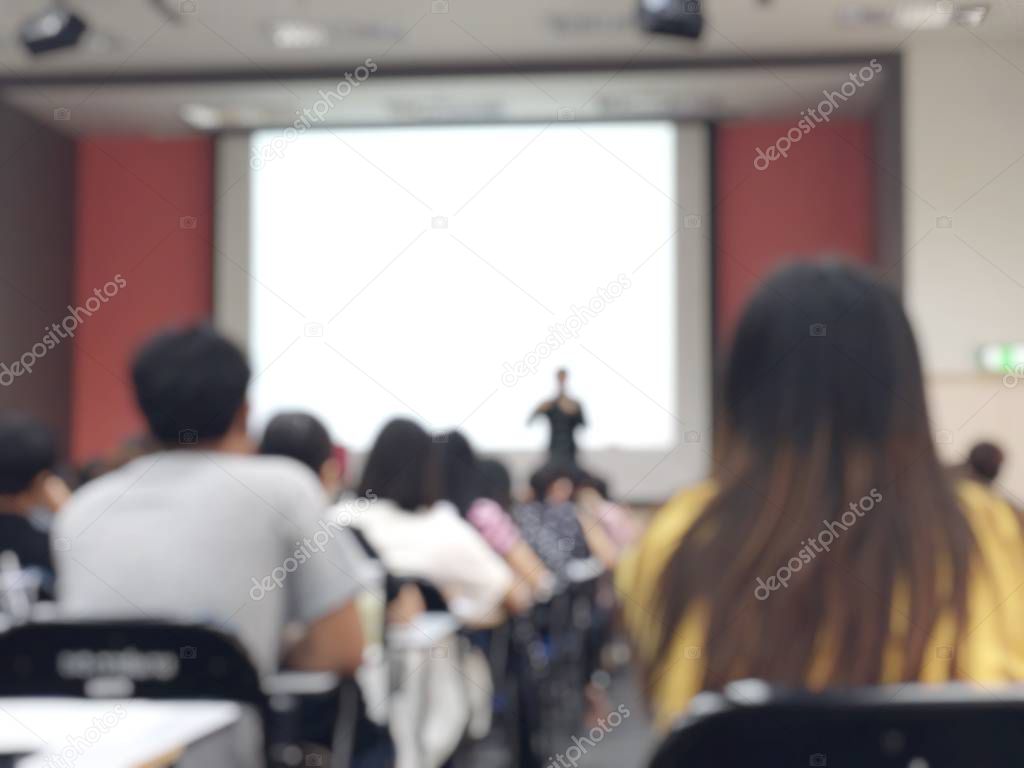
(113, 733)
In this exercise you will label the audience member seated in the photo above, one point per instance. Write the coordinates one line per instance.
(304, 438)
(598, 513)
(983, 463)
(482, 492)
(30, 492)
(549, 522)
(201, 531)
(418, 536)
(830, 548)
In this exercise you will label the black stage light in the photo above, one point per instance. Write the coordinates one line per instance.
(51, 30)
(682, 18)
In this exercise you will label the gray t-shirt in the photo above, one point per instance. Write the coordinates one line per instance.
(235, 541)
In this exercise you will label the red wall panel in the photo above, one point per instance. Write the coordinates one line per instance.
(143, 211)
(817, 200)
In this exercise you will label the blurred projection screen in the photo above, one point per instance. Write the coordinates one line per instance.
(446, 273)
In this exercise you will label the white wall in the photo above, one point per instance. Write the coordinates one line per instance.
(964, 159)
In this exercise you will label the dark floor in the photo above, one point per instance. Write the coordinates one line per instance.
(629, 744)
(632, 742)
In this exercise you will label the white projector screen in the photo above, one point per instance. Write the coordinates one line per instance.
(446, 273)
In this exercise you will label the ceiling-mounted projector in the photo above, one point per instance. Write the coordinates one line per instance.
(51, 30)
(682, 18)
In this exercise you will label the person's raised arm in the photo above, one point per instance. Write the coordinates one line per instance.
(538, 411)
(529, 567)
(598, 542)
(500, 531)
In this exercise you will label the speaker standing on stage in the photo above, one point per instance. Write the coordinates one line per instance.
(564, 415)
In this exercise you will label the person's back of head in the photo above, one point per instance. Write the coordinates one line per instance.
(28, 455)
(303, 437)
(460, 470)
(212, 530)
(190, 385)
(823, 423)
(402, 466)
(588, 482)
(495, 483)
(984, 462)
(553, 483)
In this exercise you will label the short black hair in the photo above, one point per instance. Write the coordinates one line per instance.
(542, 480)
(300, 436)
(402, 466)
(986, 459)
(586, 480)
(27, 447)
(190, 384)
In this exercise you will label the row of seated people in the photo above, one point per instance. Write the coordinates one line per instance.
(263, 542)
(829, 548)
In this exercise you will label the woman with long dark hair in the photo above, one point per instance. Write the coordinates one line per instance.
(829, 548)
(418, 535)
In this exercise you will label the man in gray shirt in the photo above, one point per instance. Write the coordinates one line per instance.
(201, 531)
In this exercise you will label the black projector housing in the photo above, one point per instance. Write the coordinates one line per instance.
(682, 18)
(51, 30)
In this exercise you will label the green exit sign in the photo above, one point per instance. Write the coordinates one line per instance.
(1001, 358)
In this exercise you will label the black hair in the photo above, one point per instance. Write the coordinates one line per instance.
(190, 385)
(985, 460)
(27, 448)
(300, 436)
(825, 319)
(402, 466)
(91, 470)
(542, 480)
(822, 404)
(460, 471)
(495, 482)
(586, 480)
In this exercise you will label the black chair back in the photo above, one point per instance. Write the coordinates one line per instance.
(126, 659)
(171, 661)
(911, 726)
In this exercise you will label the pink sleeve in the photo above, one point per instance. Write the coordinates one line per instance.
(494, 525)
(617, 523)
